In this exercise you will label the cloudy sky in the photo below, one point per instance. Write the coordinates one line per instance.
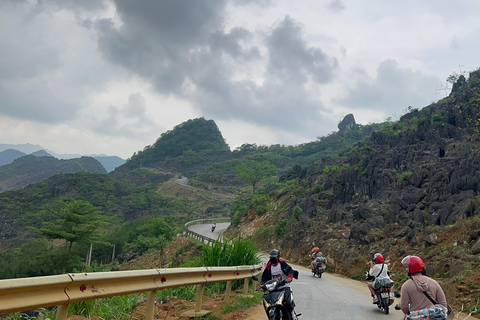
(110, 76)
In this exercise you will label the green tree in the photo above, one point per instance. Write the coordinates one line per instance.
(156, 227)
(251, 172)
(78, 221)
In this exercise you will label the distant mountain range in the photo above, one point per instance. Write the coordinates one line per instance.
(10, 152)
(30, 169)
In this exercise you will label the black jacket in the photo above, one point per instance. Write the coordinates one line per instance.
(267, 273)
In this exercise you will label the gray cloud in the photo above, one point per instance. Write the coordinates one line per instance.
(158, 38)
(132, 120)
(174, 43)
(336, 6)
(35, 101)
(392, 90)
(292, 61)
(230, 44)
(48, 65)
(282, 99)
(262, 3)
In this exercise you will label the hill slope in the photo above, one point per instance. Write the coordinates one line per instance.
(7, 156)
(411, 188)
(31, 169)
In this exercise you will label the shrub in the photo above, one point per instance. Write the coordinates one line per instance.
(280, 227)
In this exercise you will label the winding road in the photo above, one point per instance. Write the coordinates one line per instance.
(330, 297)
(206, 229)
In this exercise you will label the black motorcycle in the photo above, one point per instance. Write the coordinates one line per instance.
(318, 270)
(384, 297)
(274, 300)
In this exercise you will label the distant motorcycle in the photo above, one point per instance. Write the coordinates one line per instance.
(213, 228)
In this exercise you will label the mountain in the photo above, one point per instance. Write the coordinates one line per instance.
(187, 148)
(7, 156)
(110, 162)
(41, 153)
(26, 148)
(31, 169)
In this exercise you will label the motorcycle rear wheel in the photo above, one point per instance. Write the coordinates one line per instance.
(385, 305)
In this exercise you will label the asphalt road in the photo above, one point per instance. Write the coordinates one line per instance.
(335, 297)
(330, 297)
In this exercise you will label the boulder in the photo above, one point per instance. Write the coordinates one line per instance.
(347, 124)
(476, 247)
(431, 239)
(458, 267)
(475, 234)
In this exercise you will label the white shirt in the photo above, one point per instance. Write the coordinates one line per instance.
(375, 271)
(278, 274)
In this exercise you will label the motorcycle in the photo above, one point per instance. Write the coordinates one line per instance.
(273, 300)
(213, 228)
(384, 296)
(318, 270)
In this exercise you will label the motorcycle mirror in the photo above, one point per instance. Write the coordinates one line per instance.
(254, 278)
(396, 294)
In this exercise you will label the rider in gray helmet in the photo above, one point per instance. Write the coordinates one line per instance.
(279, 269)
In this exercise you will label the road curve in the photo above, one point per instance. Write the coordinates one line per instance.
(206, 229)
(330, 297)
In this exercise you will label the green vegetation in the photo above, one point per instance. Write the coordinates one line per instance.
(191, 142)
(404, 175)
(238, 252)
(280, 228)
(243, 302)
(252, 172)
(77, 221)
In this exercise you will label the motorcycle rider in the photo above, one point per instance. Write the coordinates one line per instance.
(279, 269)
(412, 292)
(214, 226)
(378, 270)
(318, 258)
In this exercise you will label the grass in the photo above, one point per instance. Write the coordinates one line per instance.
(234, 253)
(243, 302)
(111, 308)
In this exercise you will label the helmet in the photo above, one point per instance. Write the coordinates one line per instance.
(378, 258)
(414, 264)
(317, 249)
(274, 253)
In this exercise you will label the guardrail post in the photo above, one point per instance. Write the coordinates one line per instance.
(228, 291)
(62, 312)
(245, 286)
(198, 303)
(150, 305)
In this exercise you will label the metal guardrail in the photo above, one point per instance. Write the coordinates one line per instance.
(61, 290)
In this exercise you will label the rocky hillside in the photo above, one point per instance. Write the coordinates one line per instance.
(411, 188)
